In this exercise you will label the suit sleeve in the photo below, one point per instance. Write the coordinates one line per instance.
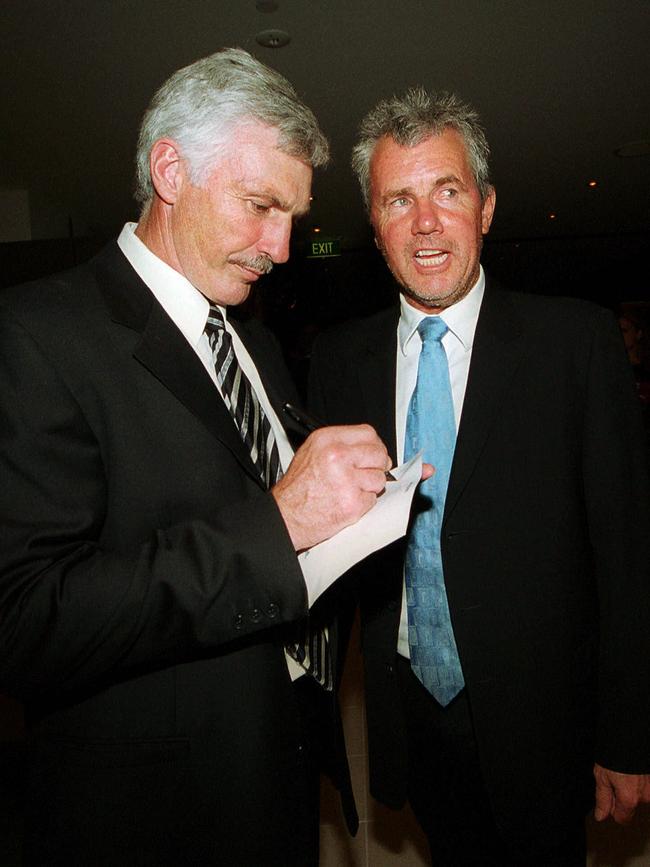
(74, 612)
(615, 474)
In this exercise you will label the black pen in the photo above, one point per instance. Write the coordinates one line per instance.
(309, 424)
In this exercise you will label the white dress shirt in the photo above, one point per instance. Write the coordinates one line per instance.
(188, 309)
(461, 319)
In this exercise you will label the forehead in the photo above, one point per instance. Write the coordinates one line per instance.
(395, 166)
(253, 162)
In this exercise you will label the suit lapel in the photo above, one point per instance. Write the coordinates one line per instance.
(376, 373)
(165, 352)
(497, 352)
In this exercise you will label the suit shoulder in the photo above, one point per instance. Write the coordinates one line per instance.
(553, 314)
(352, 334)
(555, 305)
(55, 298)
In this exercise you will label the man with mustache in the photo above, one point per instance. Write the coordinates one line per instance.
(152, 604)
(507, 662)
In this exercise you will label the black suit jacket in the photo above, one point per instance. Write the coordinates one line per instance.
(545, 551)
(146, 581)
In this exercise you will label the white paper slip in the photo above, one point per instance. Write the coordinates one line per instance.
(383, 524)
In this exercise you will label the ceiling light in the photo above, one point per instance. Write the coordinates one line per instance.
(273, 38)
(592, 184)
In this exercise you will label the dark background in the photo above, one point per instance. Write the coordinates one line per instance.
(561, 87)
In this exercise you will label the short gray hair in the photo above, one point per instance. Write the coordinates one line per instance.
(414, 117)
(199, 105)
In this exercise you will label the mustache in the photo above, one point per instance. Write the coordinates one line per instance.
(262, 264)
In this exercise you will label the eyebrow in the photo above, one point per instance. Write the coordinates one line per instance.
(408, 191)
(275, 202)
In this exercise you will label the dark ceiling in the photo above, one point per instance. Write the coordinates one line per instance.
(560, 86)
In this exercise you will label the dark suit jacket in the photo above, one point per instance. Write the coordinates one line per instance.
(146, 579)
(545, 550)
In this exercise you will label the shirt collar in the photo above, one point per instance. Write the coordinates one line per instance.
(460, 318)
(182, 301)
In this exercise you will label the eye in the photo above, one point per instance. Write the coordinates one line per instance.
(400, 202)
(449, 193)
(259, 207)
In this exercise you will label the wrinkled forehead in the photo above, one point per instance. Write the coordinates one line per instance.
(254, 164)
(437, 156)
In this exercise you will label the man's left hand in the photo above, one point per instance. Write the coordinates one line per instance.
(618, 795)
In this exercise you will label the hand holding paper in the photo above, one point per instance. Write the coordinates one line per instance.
(383, 524)
(334, 478)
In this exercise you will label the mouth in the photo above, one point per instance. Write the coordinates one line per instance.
(255, 267)
(251, 273)
(430, 258)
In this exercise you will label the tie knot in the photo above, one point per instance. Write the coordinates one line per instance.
(432, 328)
(215, 320)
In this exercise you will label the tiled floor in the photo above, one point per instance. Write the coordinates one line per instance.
(385, 837)
(393, 839)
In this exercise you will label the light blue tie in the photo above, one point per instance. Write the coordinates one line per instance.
(430, 426)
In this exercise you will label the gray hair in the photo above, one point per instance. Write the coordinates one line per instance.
(199, 105)
(411, 119)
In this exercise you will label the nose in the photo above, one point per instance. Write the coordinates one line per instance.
(426, 219)
(275, 242)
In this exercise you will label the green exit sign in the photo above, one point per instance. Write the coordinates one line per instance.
(324, 247)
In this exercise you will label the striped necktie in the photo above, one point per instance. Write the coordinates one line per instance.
(310, 648)
(241, 400)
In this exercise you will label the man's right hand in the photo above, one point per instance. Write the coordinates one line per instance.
(333, 479)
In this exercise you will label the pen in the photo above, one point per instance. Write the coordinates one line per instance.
(309, 424)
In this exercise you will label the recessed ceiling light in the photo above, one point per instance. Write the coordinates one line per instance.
(592, 183)
(634, 149)
(552, 216)
(273, 38)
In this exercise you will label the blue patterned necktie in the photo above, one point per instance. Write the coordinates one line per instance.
(430, 426)
(310, 648)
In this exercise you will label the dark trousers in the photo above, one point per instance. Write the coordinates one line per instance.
(447, 792)
(311, 698)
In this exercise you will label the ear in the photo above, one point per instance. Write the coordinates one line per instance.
(487, 211)
(167, 170)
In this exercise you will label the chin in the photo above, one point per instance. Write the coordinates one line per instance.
(425, 299)
(231, 296)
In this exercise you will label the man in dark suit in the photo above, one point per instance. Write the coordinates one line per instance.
(150, 580)
(506, 643)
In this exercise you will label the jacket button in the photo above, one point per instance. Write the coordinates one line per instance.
(256, 615)
(273, 610)
(239, 621)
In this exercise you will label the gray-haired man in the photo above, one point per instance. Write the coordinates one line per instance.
(506, 645)
(149, 569)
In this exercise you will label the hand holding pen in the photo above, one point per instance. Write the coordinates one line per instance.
(334, 478)
(309, 424)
